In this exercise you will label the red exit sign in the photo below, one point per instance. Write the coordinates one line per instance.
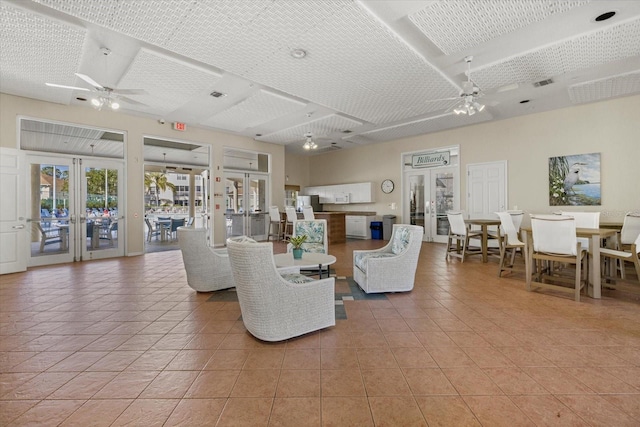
(179, 126)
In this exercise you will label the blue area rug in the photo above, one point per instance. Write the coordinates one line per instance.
(354, 294)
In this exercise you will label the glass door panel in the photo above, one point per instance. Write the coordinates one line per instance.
(246, 205)
(430, 194)
(103, 223)
(75, 207)
(51, 210)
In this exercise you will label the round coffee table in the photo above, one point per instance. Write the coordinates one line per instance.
(308, 260)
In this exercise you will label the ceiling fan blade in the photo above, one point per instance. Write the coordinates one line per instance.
(68, 87)
(130, 101)
(130, 91)
(443, 99)
(90, 81)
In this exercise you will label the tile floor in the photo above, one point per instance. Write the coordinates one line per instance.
(127, 342)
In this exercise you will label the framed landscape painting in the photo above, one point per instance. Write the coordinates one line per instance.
(574, 180)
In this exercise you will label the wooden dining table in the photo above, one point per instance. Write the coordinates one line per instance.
(595, 236)
(484, 224)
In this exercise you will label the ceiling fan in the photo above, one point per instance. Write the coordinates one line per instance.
(469, 95)
(105, 96)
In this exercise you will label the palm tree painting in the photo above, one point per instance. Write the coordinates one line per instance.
(574, 180)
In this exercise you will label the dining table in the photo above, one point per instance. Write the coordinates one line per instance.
(484, 224)
(595, 236)
(164, 225)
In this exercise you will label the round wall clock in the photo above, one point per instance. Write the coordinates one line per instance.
(387, 186)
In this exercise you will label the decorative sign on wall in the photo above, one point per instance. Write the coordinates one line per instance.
(574, 180)
(430, 160)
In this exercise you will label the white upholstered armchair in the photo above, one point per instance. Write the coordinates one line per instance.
(393, 267)
(276, 307)
(207, 269)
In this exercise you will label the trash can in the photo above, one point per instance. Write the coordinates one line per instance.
(376, 230)
(387, 226)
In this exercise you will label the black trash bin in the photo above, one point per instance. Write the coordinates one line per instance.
(376, 230)
(387, 226)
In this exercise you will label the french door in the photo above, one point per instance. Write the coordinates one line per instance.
(429, 194)
(75, 209)
(246, 204)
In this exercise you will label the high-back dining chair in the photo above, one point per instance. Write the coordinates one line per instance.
(629, 256)
(459, 235)
(628, 234)
(584, 220)
(509, 241)
(307, 212)
(175, 223)
(274, 223)
(554, 240)
(291, 218)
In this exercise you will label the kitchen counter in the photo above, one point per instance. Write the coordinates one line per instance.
(357, 213)
(336, 232)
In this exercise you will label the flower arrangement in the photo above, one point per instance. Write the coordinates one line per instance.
(297, 241)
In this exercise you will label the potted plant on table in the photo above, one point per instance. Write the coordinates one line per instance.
(296, 244)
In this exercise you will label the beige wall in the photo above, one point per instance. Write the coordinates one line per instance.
(611, 128)
(296, 170)
(135, 129)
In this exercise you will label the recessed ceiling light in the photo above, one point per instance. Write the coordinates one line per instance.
(524, 101)
(298, 53)
(217, 94)
(81, 99)
(605, 16)
(258, 134)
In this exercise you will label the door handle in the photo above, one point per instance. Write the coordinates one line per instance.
(18, 227)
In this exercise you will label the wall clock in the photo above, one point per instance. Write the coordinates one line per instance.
(387, 186)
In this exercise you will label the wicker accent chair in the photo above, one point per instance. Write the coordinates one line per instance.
(277, 307)
(207, 269)
(391, 268)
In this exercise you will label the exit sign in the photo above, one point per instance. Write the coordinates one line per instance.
(179, 126)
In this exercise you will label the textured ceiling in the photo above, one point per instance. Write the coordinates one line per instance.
(374, 71)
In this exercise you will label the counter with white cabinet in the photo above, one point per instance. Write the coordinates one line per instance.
(358, 224)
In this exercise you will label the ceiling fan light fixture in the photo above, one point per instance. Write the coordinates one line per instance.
(309, 144)
(97, 102)
(114, 105)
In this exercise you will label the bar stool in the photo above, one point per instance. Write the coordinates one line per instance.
(275, 222)
(291, 218)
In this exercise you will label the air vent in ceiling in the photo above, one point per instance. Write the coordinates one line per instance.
(329, 148)
(216, 94)
(347, 131)
(543, 83)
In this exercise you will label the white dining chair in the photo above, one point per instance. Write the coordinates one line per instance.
(554, 240)
(292, 217)
(275, 222)
(625, 256)
(584, 220)
(509, 241)
(307, 212)
(459, 235)
(628, 234)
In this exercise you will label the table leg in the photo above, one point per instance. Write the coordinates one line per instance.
(594, 268)
(319, 271)
(485, 240)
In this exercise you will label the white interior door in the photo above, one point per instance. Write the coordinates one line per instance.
(429, 195)
(13, 226)
(487, 189)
